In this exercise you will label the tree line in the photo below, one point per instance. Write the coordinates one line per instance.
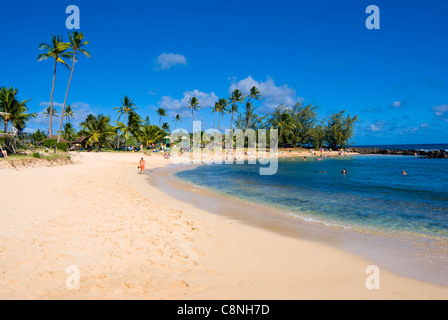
(297, 125)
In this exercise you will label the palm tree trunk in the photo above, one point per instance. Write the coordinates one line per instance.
(214, 122)
(50, 130)
(66, 95)
(231, 121)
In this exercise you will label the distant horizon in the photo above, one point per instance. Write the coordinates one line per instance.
(398, 144)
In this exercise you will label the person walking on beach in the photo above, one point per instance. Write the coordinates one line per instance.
(142, 165)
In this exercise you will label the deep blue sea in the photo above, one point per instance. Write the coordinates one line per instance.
(373, 195)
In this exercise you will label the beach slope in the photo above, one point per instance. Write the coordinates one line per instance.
(130, 240)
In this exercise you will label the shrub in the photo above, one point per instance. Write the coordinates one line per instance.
(62, 146)
(49, 143)
(37, 155)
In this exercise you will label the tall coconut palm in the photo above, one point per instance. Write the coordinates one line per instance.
(49, 111)
(222, 109)
(177, 119)
(193, 104)
(76, 45)
(56, 50)
(254, 94)
(161, 113)
(69, 113)
(236, 97)
(215, 110)
(127, 106)
(166, 127)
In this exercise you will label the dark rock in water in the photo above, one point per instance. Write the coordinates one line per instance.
(441, 154)
(437, 155)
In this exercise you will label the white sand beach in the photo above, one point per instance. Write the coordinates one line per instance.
(132, 241)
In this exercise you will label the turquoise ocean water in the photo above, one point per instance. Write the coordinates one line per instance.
(373, 195)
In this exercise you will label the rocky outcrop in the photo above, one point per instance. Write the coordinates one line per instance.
(441, 154)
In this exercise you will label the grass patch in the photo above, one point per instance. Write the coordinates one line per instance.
(35, 155)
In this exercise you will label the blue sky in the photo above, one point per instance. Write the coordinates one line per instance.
(162, 52)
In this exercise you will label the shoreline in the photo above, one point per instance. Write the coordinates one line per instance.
(130, 240)
(367, 243)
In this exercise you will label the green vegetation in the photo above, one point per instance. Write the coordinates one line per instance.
(55, 50)
(298, 125)
(76, 44)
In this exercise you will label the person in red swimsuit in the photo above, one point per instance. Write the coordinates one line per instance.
(142, 165)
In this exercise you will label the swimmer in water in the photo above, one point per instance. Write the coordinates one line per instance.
(344, 171)
(404, 173)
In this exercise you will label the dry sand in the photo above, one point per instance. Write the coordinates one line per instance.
(131, 241)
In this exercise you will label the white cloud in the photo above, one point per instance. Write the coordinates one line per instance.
(376, 126)
(47, 104)
(425, 125)
(396, 104)
(174, 106)
(441, 110)
(273, 95)
(81, 110)
(168, 60)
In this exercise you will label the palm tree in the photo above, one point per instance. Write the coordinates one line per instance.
(161, 113)
(49, 111)
(194, 106)
(283, 121)
(76, 45)
(215, 110)
(97, 130)
(15, 111)
(150, 134)
(68, 132)
(127, 106)
(222, 109)
(57, 51)
(177, 119)
(166, 127)
(254, 94)
(236, 97)
(131, 128)
(69, 113)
